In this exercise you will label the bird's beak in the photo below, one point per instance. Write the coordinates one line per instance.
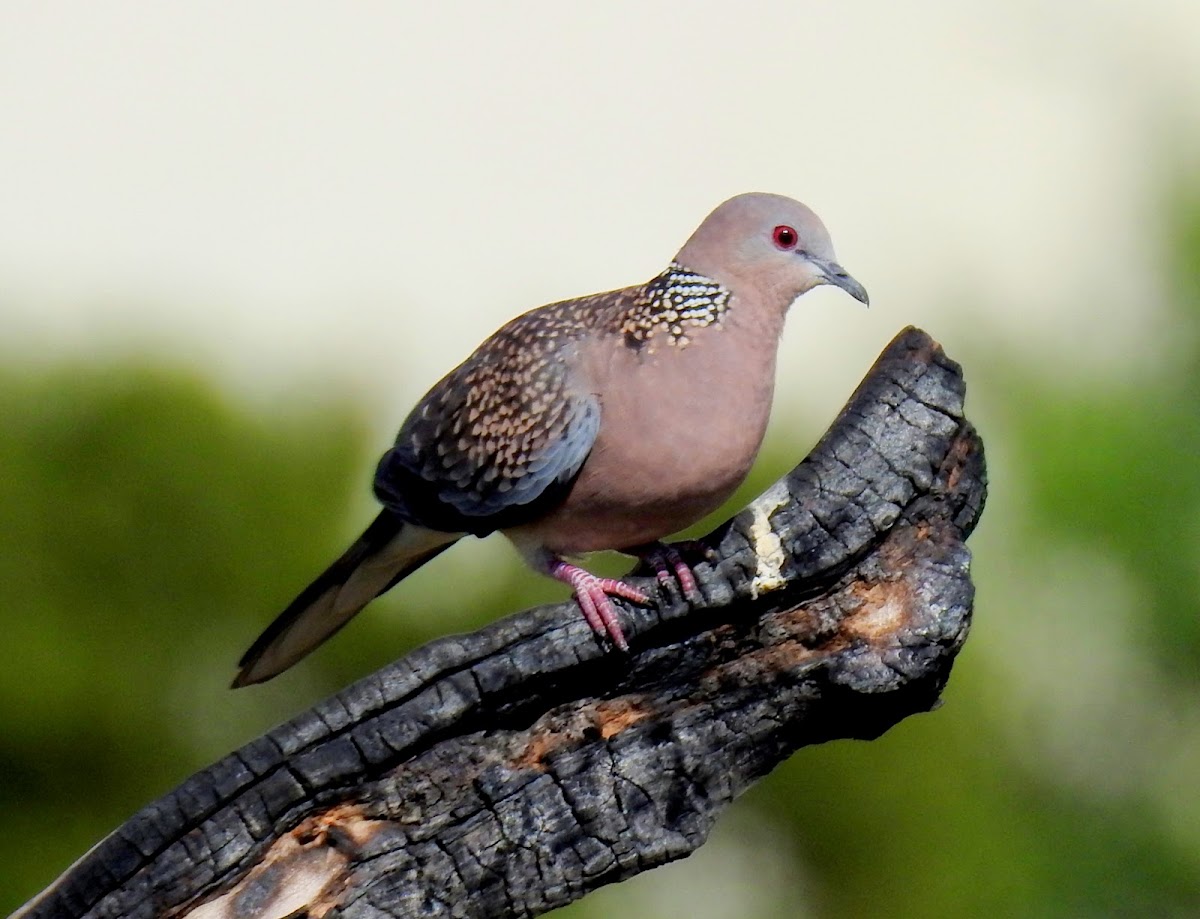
(835, 274)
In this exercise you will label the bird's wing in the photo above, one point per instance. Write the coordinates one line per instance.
(502, 436)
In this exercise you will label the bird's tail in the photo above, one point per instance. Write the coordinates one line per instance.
(388, 551)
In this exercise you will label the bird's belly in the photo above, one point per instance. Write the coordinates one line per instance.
(665, 474)
(618, 519)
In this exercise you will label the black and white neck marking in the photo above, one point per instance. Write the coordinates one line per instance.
(677, 302)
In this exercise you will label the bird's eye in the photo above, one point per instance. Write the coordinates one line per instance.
(785, 237)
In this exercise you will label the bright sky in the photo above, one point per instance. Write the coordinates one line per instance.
(366, 190)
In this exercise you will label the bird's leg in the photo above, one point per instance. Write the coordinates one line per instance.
(668, 563)
(592, 594)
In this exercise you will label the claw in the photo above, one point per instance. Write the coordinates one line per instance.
(592, 594)
(669, 565)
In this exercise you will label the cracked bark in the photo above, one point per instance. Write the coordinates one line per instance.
(512, 770)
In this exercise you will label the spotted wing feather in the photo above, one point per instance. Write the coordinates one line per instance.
(503, 435)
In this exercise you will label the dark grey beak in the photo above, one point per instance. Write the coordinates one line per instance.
(836, 275)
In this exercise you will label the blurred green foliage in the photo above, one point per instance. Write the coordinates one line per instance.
(152, 524)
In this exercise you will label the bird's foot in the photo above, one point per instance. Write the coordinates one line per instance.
(592, 594)
(668, 563)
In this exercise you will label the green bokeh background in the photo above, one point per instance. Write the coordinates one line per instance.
(153, 520)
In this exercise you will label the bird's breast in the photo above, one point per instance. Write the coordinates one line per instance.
(680, 428)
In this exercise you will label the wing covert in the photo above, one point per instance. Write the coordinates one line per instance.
(498, 439)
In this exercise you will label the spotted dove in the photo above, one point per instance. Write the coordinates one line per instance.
(606, 422)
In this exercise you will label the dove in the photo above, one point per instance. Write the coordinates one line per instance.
(609, 421)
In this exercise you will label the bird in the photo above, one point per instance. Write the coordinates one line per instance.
(606, 422)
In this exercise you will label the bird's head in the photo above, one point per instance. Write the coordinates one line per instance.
(769, 243)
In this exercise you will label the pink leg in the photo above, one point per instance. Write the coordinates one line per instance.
(668, 563)
(592, 593)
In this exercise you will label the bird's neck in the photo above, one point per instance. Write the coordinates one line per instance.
(673, 308)
(748, 303)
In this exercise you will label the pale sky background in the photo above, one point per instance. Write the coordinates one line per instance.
(361, 192)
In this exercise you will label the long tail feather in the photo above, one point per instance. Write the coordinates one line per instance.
(387, 552)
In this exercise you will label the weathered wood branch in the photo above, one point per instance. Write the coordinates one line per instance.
(510, 771)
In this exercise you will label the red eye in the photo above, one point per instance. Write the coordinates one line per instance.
(785, 237)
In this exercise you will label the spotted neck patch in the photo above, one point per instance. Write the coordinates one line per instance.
(674, 306)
